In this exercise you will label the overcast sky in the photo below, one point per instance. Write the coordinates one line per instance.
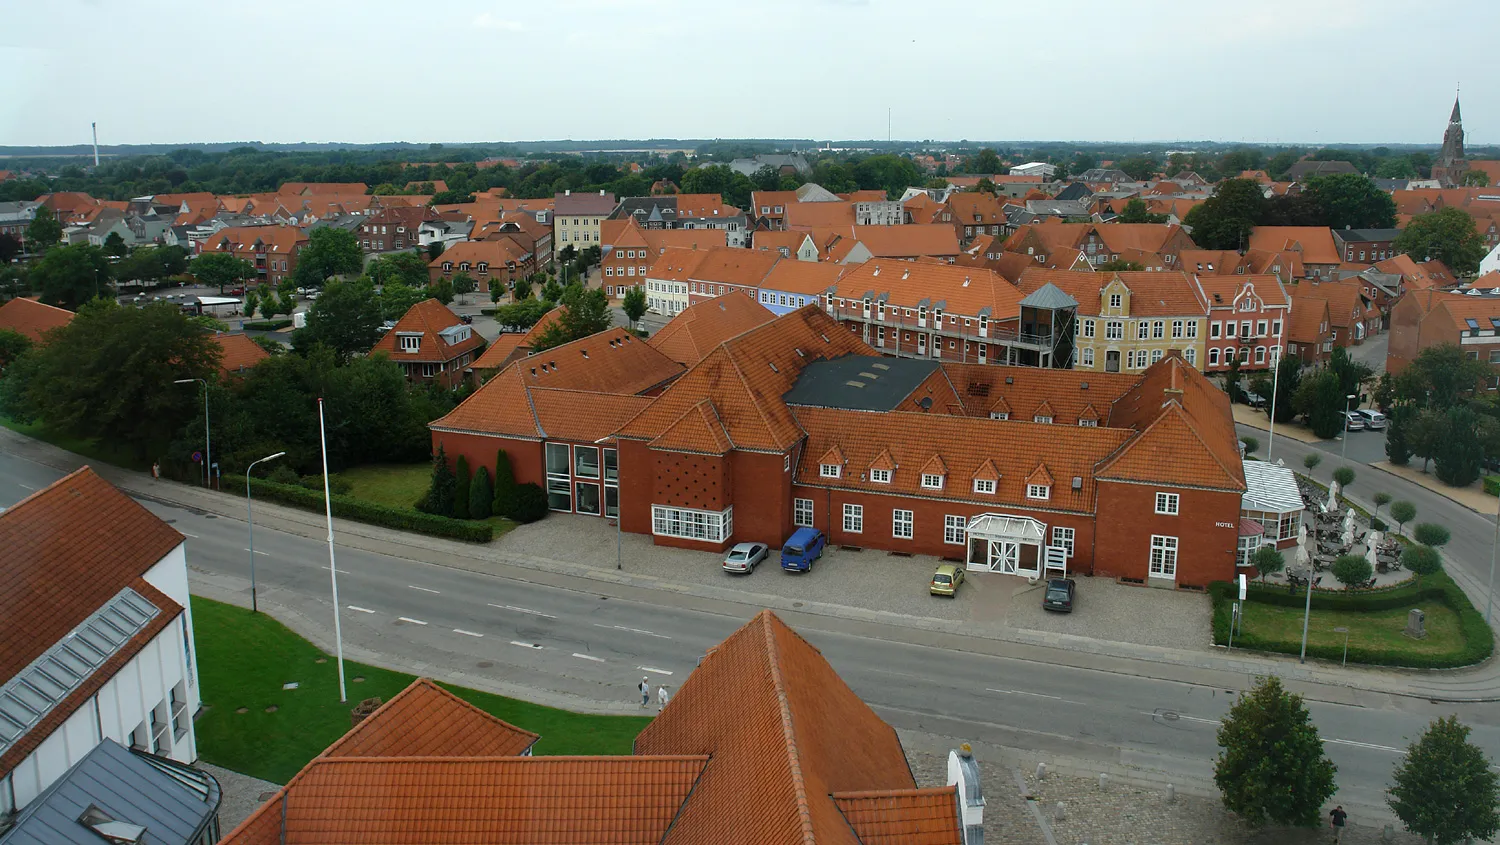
(1315, 71)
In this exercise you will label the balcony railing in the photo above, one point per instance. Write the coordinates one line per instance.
(992, 332)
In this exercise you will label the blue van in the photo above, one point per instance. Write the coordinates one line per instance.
(802, 548)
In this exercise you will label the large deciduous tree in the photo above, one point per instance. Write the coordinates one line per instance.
(585, 311)
(1351, 200)
(634, 304)
(221, 269)
(329, 252)
(68, 276)
(1225, 220)
(1445, 789)
(345, 318)
(1447, 235)
(1320, 399)
(44, 230)
(1272, 767)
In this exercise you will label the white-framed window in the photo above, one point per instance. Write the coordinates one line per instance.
(1229, 328)
(1143, 330)
(1114, 330)
(802, 513)
(1176, 328)
(688, 524)
(1247, 547)
(854, 519)
(1063, 537)
(1158, 327)
(1088, 423)
(880, 476)
(984, 485)
(411, 343)
(1116, 300)
(932, 481)
(1276, 328)
(1156, 355)
(1042, 418)
(954, 529)
(1163, 556)
(1088, 356)
(1213, 330)
(830, 470)
(1245, 328)
(901, 524)
(1088, 328)
(1260, 328)
(1213, 356)
(1190, 355)
(1038, 491)
(1192, 329)
(1167, 503)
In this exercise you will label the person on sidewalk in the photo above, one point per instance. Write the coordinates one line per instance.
(662, 697)
(645, 689)
(1337, 817)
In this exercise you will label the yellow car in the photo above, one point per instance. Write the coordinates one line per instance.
(946, 580)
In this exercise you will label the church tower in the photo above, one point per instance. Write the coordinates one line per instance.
(1450, 166)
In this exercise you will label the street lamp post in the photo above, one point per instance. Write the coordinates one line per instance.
(250, 513)
(1489, 602)
(1306, 611)
(1345, 632)
(208, 449)
(1344, 441)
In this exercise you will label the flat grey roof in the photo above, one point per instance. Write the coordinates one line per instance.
(858, 382)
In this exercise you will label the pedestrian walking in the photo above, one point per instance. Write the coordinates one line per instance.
(661, 696)
(645, 689)
(1336, 820)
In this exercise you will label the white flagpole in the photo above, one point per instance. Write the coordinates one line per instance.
(333, 572)
(1275, 389)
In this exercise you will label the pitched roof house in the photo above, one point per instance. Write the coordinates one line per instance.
(697, 331)
(32, 318)
(430, 342)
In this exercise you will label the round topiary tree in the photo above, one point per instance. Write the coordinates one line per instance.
(530, 503)
(1252, 445)
(1381, 500)
(1311, 460)
(1403, 512)
(1268, 560)
(1352, 571)
(1431, 534)
(1421, 560)
(1344, 476)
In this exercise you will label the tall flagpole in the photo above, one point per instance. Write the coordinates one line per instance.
(333, 572)
(1275, 389)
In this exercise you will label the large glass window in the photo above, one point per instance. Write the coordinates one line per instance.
(854, 518)
(802, 513)
(954, 528)
(611, 501)
(1063, 537)
(557, 459)
(588, 497)
(586, 461)
(611, 465)
(559, 494)
(692, 524)
(1163, 556)
(901, 524)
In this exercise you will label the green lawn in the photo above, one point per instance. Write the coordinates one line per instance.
(1371, 629)
(244, 659)
(400, 486)
(90, 449)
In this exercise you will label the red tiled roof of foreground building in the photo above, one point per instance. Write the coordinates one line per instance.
(239, 353)
(1168, 293)
(1070, 394)
(500, 351)
(32, 318)
(1185, 431)
(902, 817)
(1314, 243)
(956, 290)
(425, 720)
(430, 319)
(694, 333)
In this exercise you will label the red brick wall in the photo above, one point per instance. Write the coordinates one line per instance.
(1206, 528)
(700, 482)
(526, 459)
(637, 465)
(762, 497)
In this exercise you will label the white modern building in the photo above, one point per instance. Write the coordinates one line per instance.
(1034, 168)
(96, 635)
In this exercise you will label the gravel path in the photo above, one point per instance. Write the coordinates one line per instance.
(242, 794)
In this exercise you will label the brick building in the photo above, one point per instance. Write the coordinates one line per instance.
(1423, 319)
(1365, 246)
(798, 422)
(1247, 320)
(1310, 336)
(393, 229)
(629, 248)
(1130, 320)
(431, 344)
(271, 250)
(496, 261)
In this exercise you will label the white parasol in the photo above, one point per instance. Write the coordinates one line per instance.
(1333, 498)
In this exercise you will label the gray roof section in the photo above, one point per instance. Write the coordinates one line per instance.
(858, 382)
(1366, 235)
(1050, 297)
(598, 204)
(172, 801)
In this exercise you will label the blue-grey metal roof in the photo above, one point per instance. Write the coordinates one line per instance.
(1049, 297)
(858, 382)
(173, 802)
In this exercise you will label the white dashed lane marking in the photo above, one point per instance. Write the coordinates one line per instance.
(652, 669)
(423, 589)
(588, 657)
(360, 609)
(466, 633)
(632, 630)
(411, 620)
(524, 610)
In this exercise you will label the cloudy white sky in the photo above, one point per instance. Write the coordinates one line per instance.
(168, 71)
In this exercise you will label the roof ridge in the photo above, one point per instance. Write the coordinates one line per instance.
(789, 731)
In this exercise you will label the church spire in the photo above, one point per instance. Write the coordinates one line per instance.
(1455, 117)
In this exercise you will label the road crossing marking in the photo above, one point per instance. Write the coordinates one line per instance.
(466, 633)
(358, 608)
(423, 589)
(411, 620)
(27, 486)
(523, 610)
(632, 630)
(651, 669)
(588, 657)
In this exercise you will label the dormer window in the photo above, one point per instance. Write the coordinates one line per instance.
(1038, 491)
(880, 476)
(1116, 300)
(1042, 418)
(830, 470)
(999, 415)
(984, 485)
(932, 481)
(411, 343)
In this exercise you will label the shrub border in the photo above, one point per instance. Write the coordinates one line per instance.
(362, 511)
(1478, 639)
(267, 325)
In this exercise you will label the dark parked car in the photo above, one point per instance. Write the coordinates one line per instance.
(467, 318)
(1059, 595)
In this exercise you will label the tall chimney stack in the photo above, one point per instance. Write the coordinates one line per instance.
(95, 127)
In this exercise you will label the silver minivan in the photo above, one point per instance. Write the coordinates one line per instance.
(1373, 419)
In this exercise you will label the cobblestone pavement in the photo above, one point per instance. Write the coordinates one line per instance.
(1128, 812)
(882, 582)
(242, 794)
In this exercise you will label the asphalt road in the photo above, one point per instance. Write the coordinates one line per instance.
(588, 641)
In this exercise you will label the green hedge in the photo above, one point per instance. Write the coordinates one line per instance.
(1479, 642)
(362, 511)
(488, 312)
(1492, 485)
(268, 325)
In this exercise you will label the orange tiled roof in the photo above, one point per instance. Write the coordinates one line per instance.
(1461, 308)
(32, 318)
(495, 253)
(701, 327)
(902, 817)
(910, 240)
(813, 278)
(239, 353)
(819, 215)
(1072, 394)
(957, 290)
(425, 720)
(428, 318)
(500, 351)
(1223, 290)
(777, 241)
(1314, 243)
(699, 430)
(1185, 431)
(582, 416)
(1309, 313)
(1346, 301)
(725, 265)
(1170, 293)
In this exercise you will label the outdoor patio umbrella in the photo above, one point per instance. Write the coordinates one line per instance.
(1333, 498)
(1372, 543)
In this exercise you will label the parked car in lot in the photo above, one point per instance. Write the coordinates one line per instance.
(466, 318)
(1059, 595)
(744, 556)
(802, 548)
(1374, 420)
(946, 580)
(1353, 421)
(1255, 400)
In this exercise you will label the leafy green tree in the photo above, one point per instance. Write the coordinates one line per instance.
(1461, 447)
(1138, 167)
(1267, 560)
(521, 289)
(1311, 461)
(345, 317)
(1403, 512)
(1321, 401)
(252, 301)
(221, 269)
(585, 311)
(1344, 476)
(1396, 167)
(1424, 432)
(1431, 534)
(1272, 767)
(68, 276)
(329, 252)
(504, 503)
(434, 250)
(1397, 448)
(552, 291)
(10, 247)
(986, 163)
(397, 298)
(405, 267)
(463, 283)
(890, 173)
(442, 290)
(1232, 379)
(522, 315)
(1421, 560)
(1444, 789)
(108, 375)
(461, 488)
(1476, 178)
(1135, 212)
(719, 179)
(766, 178)
(634, 304)
(1352, 374)
(1441, 376)
(1351, 200)
(1285, 387)
(44, 230)
(443, 489)
(1224, 221)
(1352, 570)
(531, 503)
(1447, 235)
(1252, 445)
(114, 245)
(1381, 499)
(12, 345)
(1281, 163)
(481, 494)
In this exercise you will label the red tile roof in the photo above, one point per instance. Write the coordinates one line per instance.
(936, 239)
(1185, 431)
(812, 278)
(1170, 293)
(1071, 394)
(1314, 243)
(1224, 291)
(429, 318)
(500, 351)
(425, 720)
(240, 353)
(903, 817)
(695, 332)
(956, 290)
(32, 318)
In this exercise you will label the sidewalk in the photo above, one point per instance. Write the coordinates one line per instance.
(1478, 684)
(1255, 418)
(1472, 497)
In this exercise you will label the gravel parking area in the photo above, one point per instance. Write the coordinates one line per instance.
(242, 794)
(878, 581)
